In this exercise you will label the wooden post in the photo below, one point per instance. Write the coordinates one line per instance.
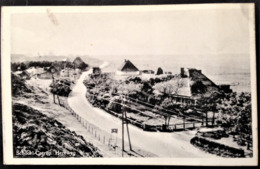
(213, 118)
(202, 117)
(58, 99)
(206, 118)
(184, 122)
(53, 98)
(128, 132)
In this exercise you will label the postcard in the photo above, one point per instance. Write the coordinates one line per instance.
(130, 85)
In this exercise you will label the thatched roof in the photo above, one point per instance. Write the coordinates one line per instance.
(128, 66)
(202, 85)
(78, 61)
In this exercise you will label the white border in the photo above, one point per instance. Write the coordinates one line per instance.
(6, 89)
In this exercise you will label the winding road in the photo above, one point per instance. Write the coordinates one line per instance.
(162, 144)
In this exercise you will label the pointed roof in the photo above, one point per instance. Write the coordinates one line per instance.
(78, 60)
(128, 66)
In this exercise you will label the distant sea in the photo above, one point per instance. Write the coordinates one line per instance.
(225, 69)
(220, 71)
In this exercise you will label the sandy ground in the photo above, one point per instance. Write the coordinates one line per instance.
(175, 144)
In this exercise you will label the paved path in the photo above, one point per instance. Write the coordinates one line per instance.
(162, 144)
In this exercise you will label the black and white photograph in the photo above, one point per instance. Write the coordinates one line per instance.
(154, 84)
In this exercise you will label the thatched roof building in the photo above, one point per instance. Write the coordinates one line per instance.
(128, 66)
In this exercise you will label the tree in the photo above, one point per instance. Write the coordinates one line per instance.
(130, 88)
(167, 89)
(14, 66)
(208, 104)
(23, 66)
(170, 87)
(166, 104)
(61, 88)
(147, 87)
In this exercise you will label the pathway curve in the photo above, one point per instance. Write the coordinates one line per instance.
(162, 144)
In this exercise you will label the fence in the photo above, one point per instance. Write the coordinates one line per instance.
(100, 136)
(189, 121)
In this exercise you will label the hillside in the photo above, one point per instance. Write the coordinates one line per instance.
(36, 135)
(36, 129)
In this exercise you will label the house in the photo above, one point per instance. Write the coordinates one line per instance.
(192, 84)
(225, 88)
(79, 63)
(23, 74)
(69, 73)
(48, 73)
(128, 68)
(201, 85)
(148, 71)
(159, 71)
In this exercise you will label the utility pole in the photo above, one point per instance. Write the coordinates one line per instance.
(125, 122)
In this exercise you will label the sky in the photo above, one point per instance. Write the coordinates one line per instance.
(177, 32)
(214, 40)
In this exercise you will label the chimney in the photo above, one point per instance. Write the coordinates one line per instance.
(182, 72)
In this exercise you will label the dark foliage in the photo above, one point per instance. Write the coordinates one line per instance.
(61, 87)
(19, 86)
(34, 132)
(216, 148)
